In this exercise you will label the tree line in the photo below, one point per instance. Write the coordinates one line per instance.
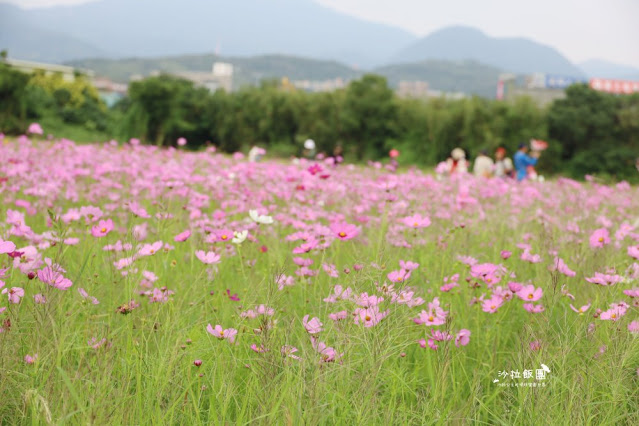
(589, 132)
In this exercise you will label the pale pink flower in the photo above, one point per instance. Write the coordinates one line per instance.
(581, 310)
(207, 258)
(462, 338)
(491, 305)
(14, 294)
(30, 359)
(228, 334)
(338, 316)
(561, 266)
(369, 316)
(313, 326)
(150, 249)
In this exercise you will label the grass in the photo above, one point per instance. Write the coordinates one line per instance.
(145, 373)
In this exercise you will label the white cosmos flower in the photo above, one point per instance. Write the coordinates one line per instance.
(266, 220)
(240, 237)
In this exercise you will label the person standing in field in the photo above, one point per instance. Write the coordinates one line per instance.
(523, 161)
(503, 165)
(483, 166)
(457, 163)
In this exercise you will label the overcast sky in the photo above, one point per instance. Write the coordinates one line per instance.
(579, 29)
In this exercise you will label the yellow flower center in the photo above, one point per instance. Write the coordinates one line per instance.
(224, 237)
(221, 333)
(431, 319)
(368, 318)
(530, 296)
(415, 224)
(492, 306)
(342, 234)
(601, 240)
(103, 230)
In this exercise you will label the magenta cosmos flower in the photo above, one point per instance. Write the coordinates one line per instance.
(599, 238)
(344, 231)
(228, 334)
(529, 293)
(102, 228)
(182, 236)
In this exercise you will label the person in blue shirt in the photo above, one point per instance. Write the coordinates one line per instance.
(523, 161)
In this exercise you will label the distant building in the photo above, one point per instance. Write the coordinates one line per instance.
(220, 77)
(543, 89)
(320, 85)
(412, 89)
(422, 90)
(109, 91)
(29, 67)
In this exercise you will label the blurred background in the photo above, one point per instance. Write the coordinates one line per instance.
(419, 76)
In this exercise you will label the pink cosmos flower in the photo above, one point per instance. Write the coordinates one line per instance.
(632, 293)
(86, 296)
(605, 279)
(159, 295)
(399, 276)
(35, 129)
(313, 326)
(207, 258)
(468, 260)
(6, 247)
(327, 353)
(228, 334)
(39, 299)
(529, 257)
(52, 276)
(581, 310)
(339, 293)
(434, 316)
(181, 141)
(533, 308)
(369, 316)
(102, 228)
(366, 301)
(633, 327)
(633, 251)
(150, 249)
(29, 359)
(462, 338)
(416, 221)
(259, 349)
(408, 265)
(561, 266)
(338, 316)
(535, 345)
(284, 281)
(491, 305)
(138, 210)
(614, 314)
(344, 231)
(505, 254)
(182, 236)
(14, 294)
(599, 238)
(529, 293)
(288, 351)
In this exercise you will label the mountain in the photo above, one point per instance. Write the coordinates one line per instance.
(605, 69)
(25, 40)
(517, 55)
(469, 77)
(246, 70)
(126, 28)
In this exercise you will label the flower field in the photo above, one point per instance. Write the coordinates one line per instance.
(161, 286)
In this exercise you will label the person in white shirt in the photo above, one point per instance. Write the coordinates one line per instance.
(457, 163)
(503, 165)
(483, 166)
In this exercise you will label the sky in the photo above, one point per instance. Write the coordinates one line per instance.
(579, 29)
